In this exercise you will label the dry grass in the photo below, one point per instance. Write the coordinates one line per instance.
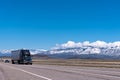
(79, 62)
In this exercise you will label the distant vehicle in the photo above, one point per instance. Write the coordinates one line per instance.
(6, 61)
(21, 57)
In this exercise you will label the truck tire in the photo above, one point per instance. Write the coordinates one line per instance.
(18, 61)
(13, 62)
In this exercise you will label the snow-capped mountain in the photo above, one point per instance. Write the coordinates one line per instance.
(32, 51)
(72, 49)
(98, 47)
(77, 52)
(37, 51)
(5, 52)
(87, 50)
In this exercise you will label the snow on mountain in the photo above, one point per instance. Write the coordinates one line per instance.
(5, 51)
(32, 51)
(98, 47)
(98, 44)
(80, 48)
(37, 51)
(87, 50)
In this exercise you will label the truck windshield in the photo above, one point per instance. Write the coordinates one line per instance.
(26, 53)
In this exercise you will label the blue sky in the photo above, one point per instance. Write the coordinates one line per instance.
(43, 23)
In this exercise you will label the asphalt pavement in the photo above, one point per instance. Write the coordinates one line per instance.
(53, 72)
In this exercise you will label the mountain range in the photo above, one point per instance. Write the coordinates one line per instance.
(72, 50)
(77, 52)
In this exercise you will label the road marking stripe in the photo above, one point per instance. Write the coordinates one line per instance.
(30, 73)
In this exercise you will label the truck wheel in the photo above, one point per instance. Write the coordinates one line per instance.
(18, 61)
(30, 63)
(13, 62)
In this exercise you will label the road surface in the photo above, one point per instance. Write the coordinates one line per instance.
(51, 72)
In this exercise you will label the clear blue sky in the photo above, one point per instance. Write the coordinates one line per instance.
(43, 23)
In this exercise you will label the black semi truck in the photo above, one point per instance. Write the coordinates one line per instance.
(21, 57)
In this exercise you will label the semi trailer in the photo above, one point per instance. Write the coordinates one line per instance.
(21, 56)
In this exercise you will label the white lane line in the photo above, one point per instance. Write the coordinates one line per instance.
(31, 73)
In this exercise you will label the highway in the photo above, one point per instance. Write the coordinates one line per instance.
(53, 72)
